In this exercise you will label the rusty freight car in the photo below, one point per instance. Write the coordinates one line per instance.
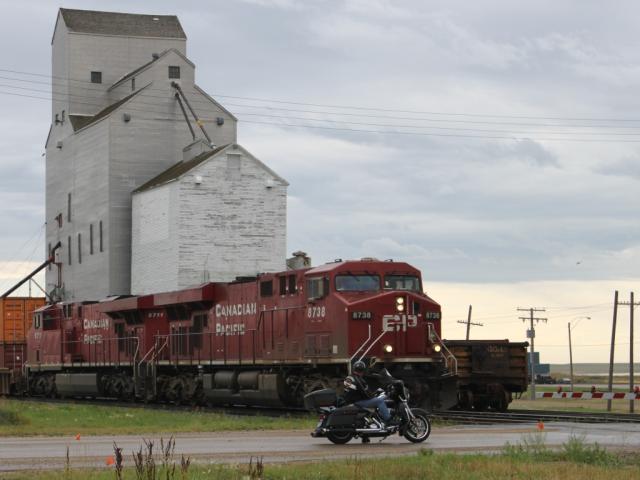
(16, 315)
(490, 372)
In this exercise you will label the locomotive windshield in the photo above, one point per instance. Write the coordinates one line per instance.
(357, 283)
(410, 283)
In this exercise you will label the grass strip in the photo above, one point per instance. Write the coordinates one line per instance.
(426, 465)
(26, 418)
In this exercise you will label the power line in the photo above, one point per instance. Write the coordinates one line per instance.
(29, 257)
(356, 107)
(268, 115)
(35, 236)
(380, 132)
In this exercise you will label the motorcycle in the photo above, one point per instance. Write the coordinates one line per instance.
(341, 423)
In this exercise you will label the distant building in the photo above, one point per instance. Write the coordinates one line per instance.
(116, 124)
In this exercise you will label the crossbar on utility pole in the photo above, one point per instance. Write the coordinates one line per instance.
(532, 336)
(468, 323)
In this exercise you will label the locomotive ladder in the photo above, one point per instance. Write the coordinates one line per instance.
(145, 371)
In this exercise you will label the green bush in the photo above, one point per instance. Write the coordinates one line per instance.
(578, 451)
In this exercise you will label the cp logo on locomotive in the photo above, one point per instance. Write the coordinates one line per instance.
(398, 323)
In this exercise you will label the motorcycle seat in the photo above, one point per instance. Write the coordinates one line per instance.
(358, 408)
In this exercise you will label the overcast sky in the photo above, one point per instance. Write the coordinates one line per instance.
(494, 145)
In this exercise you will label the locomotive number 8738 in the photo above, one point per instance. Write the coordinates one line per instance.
(264, 340)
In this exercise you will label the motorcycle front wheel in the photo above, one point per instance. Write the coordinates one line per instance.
(339, 438)
(418, 428)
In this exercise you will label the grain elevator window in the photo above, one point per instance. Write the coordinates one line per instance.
(174, 72)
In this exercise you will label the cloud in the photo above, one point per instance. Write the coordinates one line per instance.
(516, 201)
(529, 151)
(283, 4)
(625, 167)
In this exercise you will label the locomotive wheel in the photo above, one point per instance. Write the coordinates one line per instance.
(340, 438)
(466, 400)
(419, 428)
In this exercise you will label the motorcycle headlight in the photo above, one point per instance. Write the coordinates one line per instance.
(388, 348)
(437, 348)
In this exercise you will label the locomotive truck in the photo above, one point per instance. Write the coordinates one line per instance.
(266, 340)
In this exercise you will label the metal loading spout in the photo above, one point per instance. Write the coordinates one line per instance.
(195, 116)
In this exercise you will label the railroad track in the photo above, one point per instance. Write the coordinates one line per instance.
(528, 416)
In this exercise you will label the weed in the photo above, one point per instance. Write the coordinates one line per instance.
(531, 447)
(119, 461)
(8, 417)
(425, 452)
(67, 465)
(256, 470)
(168, 466)
(185, 463)
(145, 465)
(575, 450)
(578, 451)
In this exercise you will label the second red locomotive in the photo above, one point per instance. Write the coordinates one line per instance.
(265, 340)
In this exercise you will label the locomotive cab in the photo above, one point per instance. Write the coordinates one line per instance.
(377, 310)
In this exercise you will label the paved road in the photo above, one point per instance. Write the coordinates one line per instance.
(281, 446)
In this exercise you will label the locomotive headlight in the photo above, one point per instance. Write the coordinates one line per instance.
(437, 348)
(400, 304)
(388, 348)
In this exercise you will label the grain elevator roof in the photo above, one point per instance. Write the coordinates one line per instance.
(122, 24)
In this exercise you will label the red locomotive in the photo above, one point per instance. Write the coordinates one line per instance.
(265, 340)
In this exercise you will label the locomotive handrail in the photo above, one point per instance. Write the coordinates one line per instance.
(146, 355)
(159, 350)
(135, 353)
(105, 344)
(450, 355)
(358, 350)
(372, 344)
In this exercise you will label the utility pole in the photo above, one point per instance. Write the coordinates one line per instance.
(469, 322)
(571, 347)
(613, 345)
(631, 304)
(532, 335)
(570, 355)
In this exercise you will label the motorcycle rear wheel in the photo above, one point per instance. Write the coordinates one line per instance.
(339, 438)
(419, 428)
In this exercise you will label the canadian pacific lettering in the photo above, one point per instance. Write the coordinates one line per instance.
(230, 329)
(235, 310)
(91, 339)
(100, 323)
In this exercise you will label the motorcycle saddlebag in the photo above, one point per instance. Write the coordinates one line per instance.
(344, 416)
(320, 398)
